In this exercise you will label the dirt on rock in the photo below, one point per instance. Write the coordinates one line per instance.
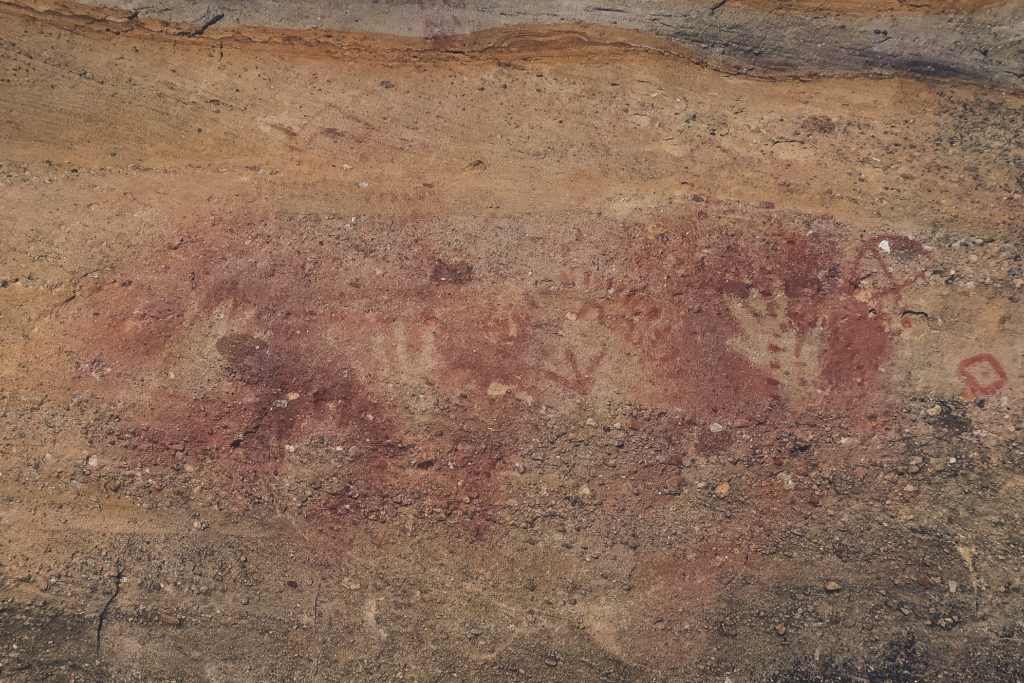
(548, 352)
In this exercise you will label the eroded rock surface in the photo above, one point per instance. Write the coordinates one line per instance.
(549, 352)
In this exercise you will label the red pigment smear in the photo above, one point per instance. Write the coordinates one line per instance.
(291, 329)
(264, 316)
(673, 301)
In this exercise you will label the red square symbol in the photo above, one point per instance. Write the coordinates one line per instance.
(982, 373)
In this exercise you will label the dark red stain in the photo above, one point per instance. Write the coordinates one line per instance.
(859, 343)
(982, 373)
(296, 330)
(480, 345)
(268, 311)
(674, 305)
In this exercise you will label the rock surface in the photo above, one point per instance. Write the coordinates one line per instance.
(490, 351)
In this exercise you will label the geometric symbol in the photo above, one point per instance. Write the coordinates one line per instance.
(893, 284)
(982, 373)
(581, 381)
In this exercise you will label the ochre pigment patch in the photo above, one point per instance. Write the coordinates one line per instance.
(541, 352)
(634, 315)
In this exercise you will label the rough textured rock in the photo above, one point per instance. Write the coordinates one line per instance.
(480, 350)
(968, 38)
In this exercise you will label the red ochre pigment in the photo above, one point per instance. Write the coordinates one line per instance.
(415, 362)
